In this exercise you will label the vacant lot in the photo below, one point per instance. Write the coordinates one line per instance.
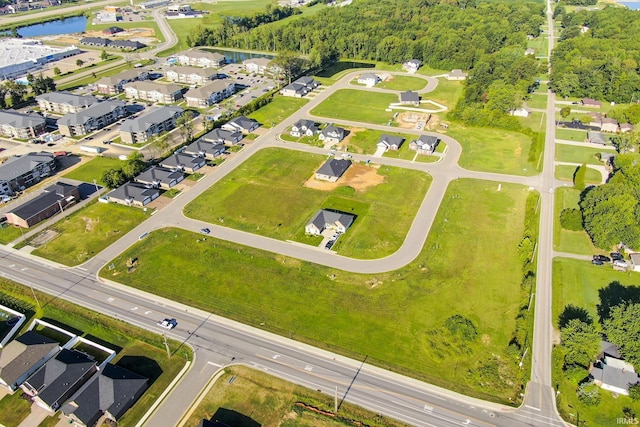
(266, 196)
(571, 135)
(357, 105)
(576, 242)
(446, 93)
(83, 234)
(565, 173)
(277, 110)
(93, 168)
(271, 402)
(396, 318)
(393, 82)
(364, 141)
(576, 154)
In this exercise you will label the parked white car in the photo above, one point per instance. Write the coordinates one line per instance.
(168, 323)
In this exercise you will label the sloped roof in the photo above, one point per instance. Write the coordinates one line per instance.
(409, 96)
(96, 110)
(19, 165)
(243, 122)
(202, 146)
(145, 121)
(22, 354)
(158, 174)
(179, 159)
(221, 135)
(334, 167)
(305, 124)
(260, 61)
(185, 69)
(50, 196)
(390, 140)
(206, 90)
(148, 86)
(328, 216)
(20, 120)
(68, 98)
(333, 131)
(195, 53)
(130, 190)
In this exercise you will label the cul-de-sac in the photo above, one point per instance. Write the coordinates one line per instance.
(245, 213)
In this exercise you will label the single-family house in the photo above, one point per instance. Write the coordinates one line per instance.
(390, 142)
(113, 85)
(426, 144)
(329, 219)
(97, 116)
(607, 157)
(409, 98)
(520, 112)
(529, 51)
(183, 162)
(21, 172)
(133, 194)
(332, 134)
(201, 58)
(456, 74)
(590, 103)
(241, 124)
(210, 93)
(595, 119)
(613, 374)
(64, 102)
(368, 79)
(304, 127)
(626, 127)
(53, 199)
(300, 87)
(206, 149)
(156, 121)
(635, 261)
(223, 136)
(608, 124)
(153, 91)
(260, 65)
(21, 125)
(596, 138)
(107, 395)
(412, 65)
(159, 177)
(22, 356)
(191, 75)
(332, 169)
(61, 376)
(112, 30)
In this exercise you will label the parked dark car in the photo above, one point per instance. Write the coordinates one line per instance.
(616, 256)
(602, 258)
(596, 262)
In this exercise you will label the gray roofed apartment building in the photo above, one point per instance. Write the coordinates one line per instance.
(191, 75)
(93, 118)
(210, 93)
(140, 129)
(64, 102)
(112, 85)
(20, 125)
(153, 91)
(201, 58)
(20, 172)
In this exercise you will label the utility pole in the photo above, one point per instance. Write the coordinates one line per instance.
(335, 404)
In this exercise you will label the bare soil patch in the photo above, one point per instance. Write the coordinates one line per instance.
(44, 237)
(359, 177)
(409, 120)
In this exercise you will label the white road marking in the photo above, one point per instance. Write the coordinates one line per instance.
(81, 268)
(12, 265)
(148, 312)
(428, 408)
(214, 364)
(134, 308)
(111, 299)
(308, 368)
(532, 407)
(277, 356)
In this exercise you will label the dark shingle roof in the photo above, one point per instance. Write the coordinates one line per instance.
(334, 167)
(145, 121)
(22, 354)
(94, 111)
(19, 165)
(48, 198)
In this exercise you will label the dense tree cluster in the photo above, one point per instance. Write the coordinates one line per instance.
(134, 164)
(580, 2)
(601, 62)
(623, 328)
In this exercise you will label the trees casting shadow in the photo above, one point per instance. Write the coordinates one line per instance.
(615, 294)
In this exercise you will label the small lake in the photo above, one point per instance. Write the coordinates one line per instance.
(236, 57)
(633, 5)
(76, 24)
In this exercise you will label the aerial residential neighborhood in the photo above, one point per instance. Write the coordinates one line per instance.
(364, 212)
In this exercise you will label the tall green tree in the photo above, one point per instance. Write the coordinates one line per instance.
(186, 126)
(623, 330)
(580, 343)
(289, 63)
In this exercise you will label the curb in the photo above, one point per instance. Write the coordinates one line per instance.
(201, 396)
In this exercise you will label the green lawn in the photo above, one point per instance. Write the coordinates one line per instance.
(277, 110)
(540, 45)
(9, 234)
(576, 154)
(88, 231)
(245, 199)
(333, 73)
(396, 319)
(535, 121)
(14, 409)
(493, 150)
(537, 101)
(402, 83)
(580, 283)
(446, 93)
(93, 168)
(565, 173)
(364, 141)
(577, 242)
(571, 134)
(357, 105)
(272, 403)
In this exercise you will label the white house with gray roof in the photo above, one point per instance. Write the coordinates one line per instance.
(412, 65)
(241, 124)
(206, 149)
(390, 142)
(368, 79)
(209, 94)
(159, 177)
(183, 162)
(156, 121)
(93, 118)
(409, 98)
(332, 134)
(191, 75)
(304, 127)
(64, 102)
(300, 87)
(260, 65)
(133, 194)
(20, 172)
(332, 169)
(329, 219)
(20, 125)
(153, 91)
(223, 136)
(456, 74)
(426, 144)
(201, 58)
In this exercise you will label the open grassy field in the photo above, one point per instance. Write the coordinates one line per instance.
(565, 173)
(9, 234)
(277, 110)
(358, 105)
(245, 199)
(402, 83)
(537, 101)
(93, 168)
(535, 121)
(88, 231)
(14, 409)
(571, 134)
(140, 351)
(271, 402)
(576, 242)
(576, 154)
(364, 141)
(493, 150)
(395, 318)
(580, 283)
(446, 93)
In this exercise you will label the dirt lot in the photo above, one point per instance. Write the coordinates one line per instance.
(409, 120)
(359, 177)
(142, 34)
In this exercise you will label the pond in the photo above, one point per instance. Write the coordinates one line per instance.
(236, 57)
(76, 24)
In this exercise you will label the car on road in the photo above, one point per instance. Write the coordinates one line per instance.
(596, 262)
(616, 256)
(168, 323)
(108, 141)
(347, 156)
(602, 258)
(89, 138)
(205, 231)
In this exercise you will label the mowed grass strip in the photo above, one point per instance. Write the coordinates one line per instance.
(277, 110)
(88, 231)
(566, 172)
(396, 318)
(14, 409)
(446, 93)
(575, 242)
(266, 196)
(357, 105)
(272, 402)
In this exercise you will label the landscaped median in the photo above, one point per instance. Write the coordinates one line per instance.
(448, 317)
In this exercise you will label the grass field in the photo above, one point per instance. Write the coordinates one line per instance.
(241, 391)
(402, 83)
(576, 154)
(394, 318)
(446, 93)
(14, 409)
(140, 351)
(245, 199)
(580, 283)
(535, 121)
(493, 150)
(88, 231)
(358, 105)
(364, 141)
(571, 135)
(565, 173)
(577, 242)
(537, 101)
(93, 168)
(9, 234)
(277, 110)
